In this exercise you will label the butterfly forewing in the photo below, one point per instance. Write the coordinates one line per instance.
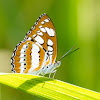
(43, 32)
(38, 49)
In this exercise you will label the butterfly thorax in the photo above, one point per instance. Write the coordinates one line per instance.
(50, 68)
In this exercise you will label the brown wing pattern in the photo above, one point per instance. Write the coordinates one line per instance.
(44, 30)
(29, 54)
(28, 57)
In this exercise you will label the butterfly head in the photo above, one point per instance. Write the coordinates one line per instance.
(57, 64)
(50, 68)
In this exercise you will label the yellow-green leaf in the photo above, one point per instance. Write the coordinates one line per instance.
(46, 88)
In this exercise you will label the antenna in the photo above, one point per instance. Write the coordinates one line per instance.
(68, 52)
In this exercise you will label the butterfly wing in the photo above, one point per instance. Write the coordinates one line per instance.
(38, 49)
(28, 57)
(43, 33)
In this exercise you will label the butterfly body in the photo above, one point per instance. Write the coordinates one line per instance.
(50, 68)
(37, 53)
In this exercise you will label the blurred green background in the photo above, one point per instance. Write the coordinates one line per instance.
(77, 22)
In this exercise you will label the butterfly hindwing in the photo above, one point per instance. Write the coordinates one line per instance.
(28, 57)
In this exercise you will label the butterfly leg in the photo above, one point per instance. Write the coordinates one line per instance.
(39, 72)
(49, 75)
(54, 73)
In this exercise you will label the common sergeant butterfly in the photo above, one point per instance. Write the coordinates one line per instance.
(37, 53)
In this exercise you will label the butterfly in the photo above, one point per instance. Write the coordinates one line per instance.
(37, 53)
